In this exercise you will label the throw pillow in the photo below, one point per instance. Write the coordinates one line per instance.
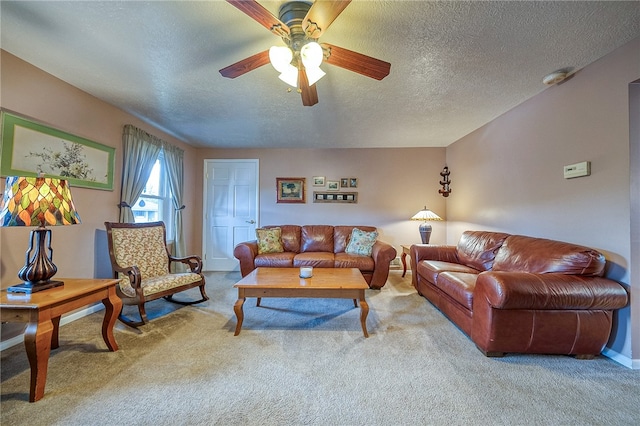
(361, 242)
(269, 240)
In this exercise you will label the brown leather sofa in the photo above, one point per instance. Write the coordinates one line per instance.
(511, 293)
(321, 246)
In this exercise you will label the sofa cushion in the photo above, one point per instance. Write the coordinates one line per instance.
(315, 259)
(290, 237)
(274, 260)
(316, 238)
(361, 242)
(269, 240)
(540, 256)
(430, 269)
(477, 249)
(345, 260)
(342, 235)
(459, 286)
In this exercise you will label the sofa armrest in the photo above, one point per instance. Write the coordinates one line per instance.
(246, 253)
(523, 290)
(432, 252)
(419, 252)
(382, 254)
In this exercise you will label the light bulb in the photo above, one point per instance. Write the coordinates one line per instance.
(311, 54)
(280, 57)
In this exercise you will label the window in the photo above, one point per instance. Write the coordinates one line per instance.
(154, 204)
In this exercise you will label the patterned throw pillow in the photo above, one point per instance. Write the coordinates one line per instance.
(269, 240)
(361, 242)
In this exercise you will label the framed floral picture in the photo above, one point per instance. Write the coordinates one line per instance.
(32, 149)
(290, 190)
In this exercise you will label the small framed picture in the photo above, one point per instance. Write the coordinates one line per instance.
(290, 190)
(333, 185)
(318, 181)
(353, 182)
(344, 183)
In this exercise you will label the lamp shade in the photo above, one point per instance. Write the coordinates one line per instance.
(290, 76)
(425, 214)
(311, 55)
(280, 57)
(37, 201)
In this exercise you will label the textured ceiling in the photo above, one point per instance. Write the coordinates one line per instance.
(454, 65)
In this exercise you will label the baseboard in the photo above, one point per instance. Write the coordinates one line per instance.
(66, 319)
(633, 364)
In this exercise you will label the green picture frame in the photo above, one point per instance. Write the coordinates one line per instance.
(32, 149)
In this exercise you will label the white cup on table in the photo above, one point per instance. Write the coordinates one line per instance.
(306, 271)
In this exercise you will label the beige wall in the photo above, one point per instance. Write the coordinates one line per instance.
(393, 184)
(509, 173)
(35, 94)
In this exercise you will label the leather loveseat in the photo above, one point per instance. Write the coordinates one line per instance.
(512, 293)
(321, 246)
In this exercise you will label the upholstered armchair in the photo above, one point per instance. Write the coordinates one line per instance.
(140, 258)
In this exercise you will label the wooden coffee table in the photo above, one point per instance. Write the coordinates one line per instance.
(342, 283)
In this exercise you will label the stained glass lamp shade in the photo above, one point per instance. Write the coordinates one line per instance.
(425, 229)
(39, 202)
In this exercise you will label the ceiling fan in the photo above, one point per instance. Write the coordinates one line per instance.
(300, 24)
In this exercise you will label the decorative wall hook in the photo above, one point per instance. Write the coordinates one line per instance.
(446, 190)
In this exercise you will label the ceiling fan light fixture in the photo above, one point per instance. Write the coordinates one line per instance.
(290, 76)
(314, 74)
(280, 57)
(311, 55)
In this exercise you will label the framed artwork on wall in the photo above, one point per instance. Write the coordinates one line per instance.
(333, 185)
(353, 182)
(318, 181)
(344, 183)
(290, 190)
(335, 197)
(32, 149)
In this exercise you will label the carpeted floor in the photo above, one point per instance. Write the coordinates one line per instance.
(306, 362)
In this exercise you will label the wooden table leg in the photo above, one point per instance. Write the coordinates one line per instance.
(112, 308)
(37, 341)
(404, 263)
(237, 308)
(364, 311)
(55, 342)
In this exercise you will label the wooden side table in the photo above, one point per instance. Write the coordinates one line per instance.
(406, 249)
(42, 311)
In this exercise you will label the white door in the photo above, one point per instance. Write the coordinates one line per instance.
(230, 210)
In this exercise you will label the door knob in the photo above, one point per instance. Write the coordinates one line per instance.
(250, 221)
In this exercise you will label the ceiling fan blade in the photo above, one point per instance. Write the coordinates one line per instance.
(321, 15)
(261, 15)
(356, 62)
(309, 93)
(246, 65)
